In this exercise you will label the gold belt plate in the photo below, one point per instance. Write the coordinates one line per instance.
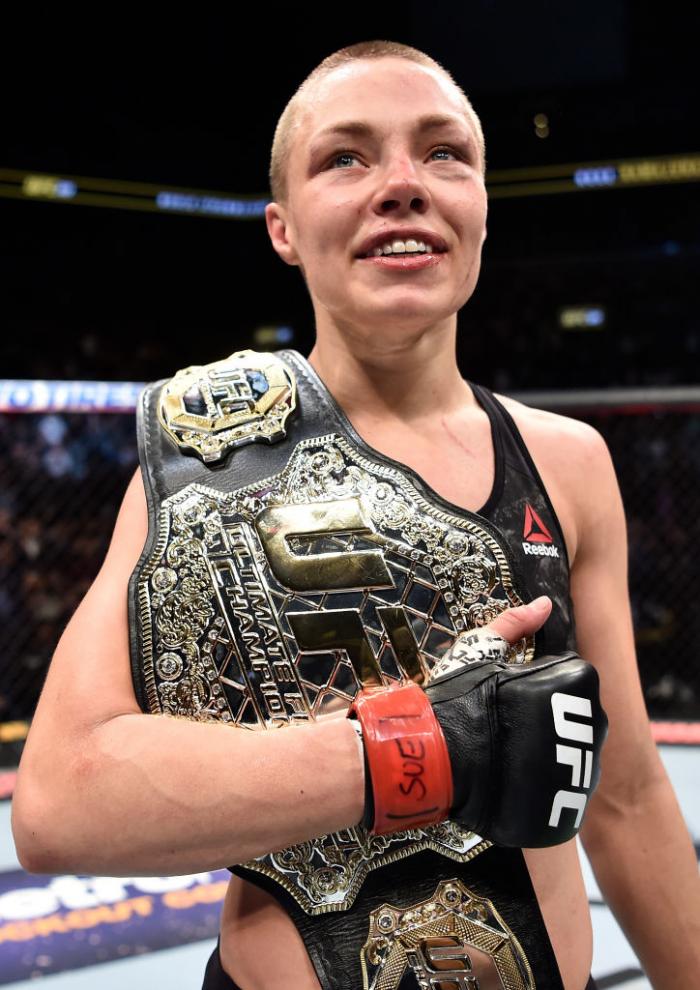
(454, 940)
(275, 603)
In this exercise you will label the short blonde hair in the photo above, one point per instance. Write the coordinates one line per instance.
(291, 116)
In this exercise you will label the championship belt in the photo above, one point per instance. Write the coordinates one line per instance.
(288, 565)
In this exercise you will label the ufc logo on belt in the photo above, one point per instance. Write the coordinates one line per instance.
(563, 706)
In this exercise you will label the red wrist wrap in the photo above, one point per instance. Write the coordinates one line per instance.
(407, 755)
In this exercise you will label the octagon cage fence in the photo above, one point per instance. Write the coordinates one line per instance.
(69, 450)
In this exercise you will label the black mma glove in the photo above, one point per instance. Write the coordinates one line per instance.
(522, 743)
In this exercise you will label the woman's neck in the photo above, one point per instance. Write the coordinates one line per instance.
(375, 379)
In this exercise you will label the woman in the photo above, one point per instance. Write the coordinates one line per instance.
(379, 198)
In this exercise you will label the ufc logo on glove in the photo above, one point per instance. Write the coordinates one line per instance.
(564, 705)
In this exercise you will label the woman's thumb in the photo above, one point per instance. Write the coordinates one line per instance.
(523, 620)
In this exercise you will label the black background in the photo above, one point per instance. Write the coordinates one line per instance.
(191, 98)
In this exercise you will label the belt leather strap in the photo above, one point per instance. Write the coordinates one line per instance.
(335, 940)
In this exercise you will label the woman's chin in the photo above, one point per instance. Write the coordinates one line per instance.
(403, 315)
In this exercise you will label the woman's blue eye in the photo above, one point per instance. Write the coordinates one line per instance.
(449, 151)
(341, 154)
(351, 155)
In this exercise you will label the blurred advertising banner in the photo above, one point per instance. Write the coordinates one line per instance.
(50, 924)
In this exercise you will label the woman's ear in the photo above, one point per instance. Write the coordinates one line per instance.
(281, 233)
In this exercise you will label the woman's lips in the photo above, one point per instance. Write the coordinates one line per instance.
(404, 262)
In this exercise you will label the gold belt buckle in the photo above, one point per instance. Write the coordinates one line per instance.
(454, 940)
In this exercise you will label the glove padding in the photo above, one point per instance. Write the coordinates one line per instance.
(524, 745)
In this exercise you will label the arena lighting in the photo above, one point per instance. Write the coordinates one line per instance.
(49, 187)
(268, 336)
(590, 177)
(215, 206)
(125, 195)
(541, 121)
(582, 317)
(593, 176)
(501, 183)
(39, 395)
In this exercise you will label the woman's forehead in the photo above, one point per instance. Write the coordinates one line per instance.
(359, 84)
(376, 94)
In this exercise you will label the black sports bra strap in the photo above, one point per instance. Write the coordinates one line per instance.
(521, 508)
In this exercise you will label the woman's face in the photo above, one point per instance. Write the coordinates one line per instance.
(371, 164)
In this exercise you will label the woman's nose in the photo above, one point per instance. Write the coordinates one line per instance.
(401, 188)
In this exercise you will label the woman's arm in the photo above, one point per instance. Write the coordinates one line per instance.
(105, 788)
(633, 831)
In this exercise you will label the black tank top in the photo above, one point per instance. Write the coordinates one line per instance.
(520, 507)
(178, 541)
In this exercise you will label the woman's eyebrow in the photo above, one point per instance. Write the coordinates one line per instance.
(360, 128)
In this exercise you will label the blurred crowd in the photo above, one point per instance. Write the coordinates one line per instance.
(62, 478)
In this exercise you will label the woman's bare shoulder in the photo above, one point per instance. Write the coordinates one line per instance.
(555, 438)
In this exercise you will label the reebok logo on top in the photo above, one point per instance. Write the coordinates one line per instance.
(537, 540)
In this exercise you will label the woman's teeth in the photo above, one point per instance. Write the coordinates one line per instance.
(402, 247)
